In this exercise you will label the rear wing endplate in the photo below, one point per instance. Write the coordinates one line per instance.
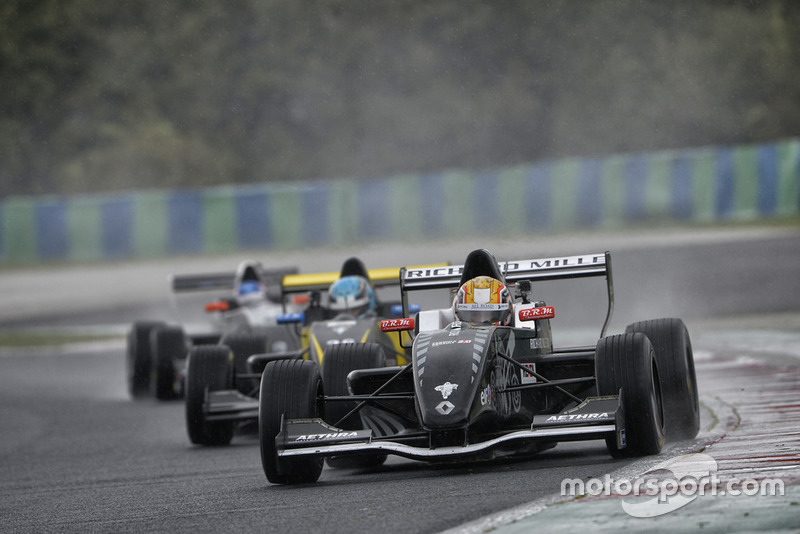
(556, 268)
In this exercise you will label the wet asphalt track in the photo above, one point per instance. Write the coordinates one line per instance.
(77, 455)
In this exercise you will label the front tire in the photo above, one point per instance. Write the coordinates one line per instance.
(209, 368)
(290, 389)
(670, 338)
(628, 362)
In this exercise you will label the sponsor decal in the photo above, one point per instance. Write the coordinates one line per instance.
(489, 306)
(395, 325)
(434, 272)
(445, 407)
(577, 417)
(527, 378)
(439, 343)
(512, 266)
(340, 327)
(540, 343)
(501, 377)
(446, 389)
(486, 396)
(532, 314)
(552, 263)
(324, 437)
(516, 396)
(465, 341)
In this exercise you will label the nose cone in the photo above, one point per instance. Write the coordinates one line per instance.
(448, 365)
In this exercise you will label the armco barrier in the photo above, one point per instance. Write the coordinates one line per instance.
(703, 185)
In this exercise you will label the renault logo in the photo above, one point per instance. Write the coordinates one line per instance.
(445, 407)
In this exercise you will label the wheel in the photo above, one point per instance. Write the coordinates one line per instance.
(670, 338)
(167, 347)
(290, 389)
(337, 362)
(209, 368)
(628, 362)
(137, 360)
(243, 346)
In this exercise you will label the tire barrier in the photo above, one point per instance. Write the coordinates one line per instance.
(704, 185)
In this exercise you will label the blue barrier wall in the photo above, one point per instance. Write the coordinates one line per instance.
(711, 184)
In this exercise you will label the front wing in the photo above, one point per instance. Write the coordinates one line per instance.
(595, 418)
(230, 405)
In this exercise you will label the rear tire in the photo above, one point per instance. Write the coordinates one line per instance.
(628, 362)
(670, 338)
(290, 389)
(138, 358)
(167, 346)
(209, 368)
(337, 363)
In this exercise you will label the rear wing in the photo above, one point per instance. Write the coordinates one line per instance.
(303, 283)
(184, 283)
(556, 268)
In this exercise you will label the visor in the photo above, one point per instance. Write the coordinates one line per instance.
(482, 313)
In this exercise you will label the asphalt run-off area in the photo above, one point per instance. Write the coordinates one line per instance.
(79, 455)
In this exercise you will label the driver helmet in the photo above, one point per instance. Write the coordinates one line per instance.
(483, 300)
(249, 290)
(352, 294)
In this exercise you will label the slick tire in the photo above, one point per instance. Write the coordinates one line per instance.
(290, 389)
(337, 362)
(627, 362)
(243, 346)
(670, 338)
(168, 350)
(138, 358)
(209, 368)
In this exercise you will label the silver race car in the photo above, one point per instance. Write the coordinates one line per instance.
(245, 321)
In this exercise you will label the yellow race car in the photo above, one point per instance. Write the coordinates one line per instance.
(343, 312)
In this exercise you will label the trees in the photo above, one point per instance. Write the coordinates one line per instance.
(104, 96)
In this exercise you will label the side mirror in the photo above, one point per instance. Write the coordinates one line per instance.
(397, 325)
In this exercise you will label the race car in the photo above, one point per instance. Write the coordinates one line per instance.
(341, 318)
(245, 321)
(485, 381)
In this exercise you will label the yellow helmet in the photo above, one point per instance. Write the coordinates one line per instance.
(483, 299)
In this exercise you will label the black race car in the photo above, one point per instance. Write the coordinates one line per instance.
(485, 381)
(244, 321)
(338, 335)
